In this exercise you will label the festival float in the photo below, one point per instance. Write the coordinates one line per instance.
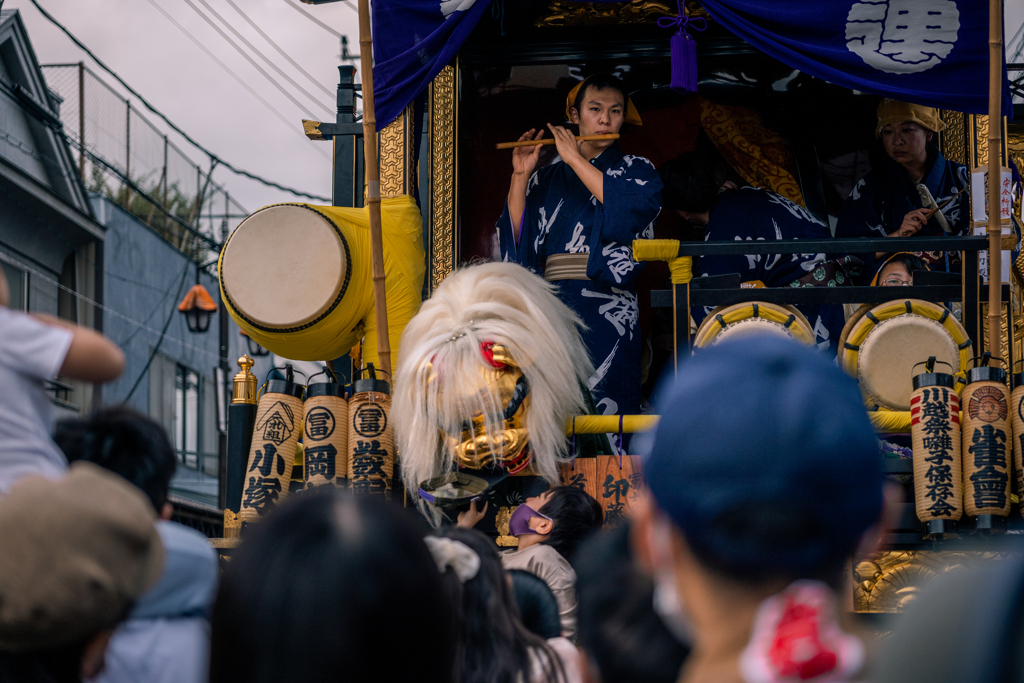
(485, 405)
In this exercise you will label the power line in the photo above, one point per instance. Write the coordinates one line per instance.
(315, 20)
(253, 61)
(117, 314)
(279, 50)
(224, 66)
(160, 341)
(166, 120)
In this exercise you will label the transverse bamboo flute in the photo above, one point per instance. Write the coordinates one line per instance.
(551, 141)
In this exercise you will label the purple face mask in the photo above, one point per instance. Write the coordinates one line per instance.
(519, 522)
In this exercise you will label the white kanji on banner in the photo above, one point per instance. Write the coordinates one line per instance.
(902, 36)
(452, 6)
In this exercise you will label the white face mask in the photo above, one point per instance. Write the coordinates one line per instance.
(667, 602)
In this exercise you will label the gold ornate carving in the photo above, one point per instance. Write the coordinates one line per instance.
(1015, 148)
(953, 140)
(312, 129)
(395, 149)
(444, 121)
(890, 581)
(232, 524)
(563, 13)
(501, 521)
(978, 123)
(1001, 352)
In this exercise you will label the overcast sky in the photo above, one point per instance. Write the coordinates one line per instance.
(159, 61)
(169, 70)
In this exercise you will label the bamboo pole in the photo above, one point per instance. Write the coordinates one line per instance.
(373, 188)
(995, 279)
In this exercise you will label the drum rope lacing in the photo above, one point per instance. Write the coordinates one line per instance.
(779, 317)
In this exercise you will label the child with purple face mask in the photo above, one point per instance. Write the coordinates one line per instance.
(550, 527)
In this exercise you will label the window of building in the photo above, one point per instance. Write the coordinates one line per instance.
(67, 303)
(184, 403)
(17, 282)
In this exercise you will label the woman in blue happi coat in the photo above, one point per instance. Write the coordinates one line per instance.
(585, 210)
(887, 201)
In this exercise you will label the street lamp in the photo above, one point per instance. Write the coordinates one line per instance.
(198, 307)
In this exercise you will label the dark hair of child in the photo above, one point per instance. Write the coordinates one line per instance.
(576, 515)
(538, 609)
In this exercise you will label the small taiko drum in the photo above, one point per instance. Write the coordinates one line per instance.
(881, 345)
(742, 320)
(285, 273)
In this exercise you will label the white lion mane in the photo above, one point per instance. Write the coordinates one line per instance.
(491, 302)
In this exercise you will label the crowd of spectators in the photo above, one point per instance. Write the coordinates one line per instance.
(734, 565)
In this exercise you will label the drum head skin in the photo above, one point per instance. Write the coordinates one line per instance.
(285, 267)
(743, 320)
(886, 343)
(889, 353)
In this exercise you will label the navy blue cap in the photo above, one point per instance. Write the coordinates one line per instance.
(760, 425)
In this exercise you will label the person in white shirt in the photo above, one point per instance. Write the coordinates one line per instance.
(33, 349)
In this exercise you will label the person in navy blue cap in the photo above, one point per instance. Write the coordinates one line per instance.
(764, 479)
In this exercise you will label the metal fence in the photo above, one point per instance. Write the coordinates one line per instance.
(133, 163)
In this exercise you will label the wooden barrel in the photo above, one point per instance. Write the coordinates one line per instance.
(272, 453)
(1017, 422)
(325, 436)
(987, 450)
(371, 440)
(935, 433)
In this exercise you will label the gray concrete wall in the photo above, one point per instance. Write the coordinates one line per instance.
(145, 279)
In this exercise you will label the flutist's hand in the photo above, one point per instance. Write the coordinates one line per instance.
(912, 222)
(566, 144)
(524, 159)
(569, 149)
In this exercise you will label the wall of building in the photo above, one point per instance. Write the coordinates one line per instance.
(145, 279)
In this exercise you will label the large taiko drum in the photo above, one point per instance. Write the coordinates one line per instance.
(758, 318)
(880, 346)
(297, 278)
(286, 268)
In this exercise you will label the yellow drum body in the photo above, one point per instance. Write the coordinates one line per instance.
(297, 278)
(882, 346)
(758, 318)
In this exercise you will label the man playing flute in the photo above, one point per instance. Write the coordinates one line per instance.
(574, 222)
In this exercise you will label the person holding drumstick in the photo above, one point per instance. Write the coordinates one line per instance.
(574, 222)
(898, 198)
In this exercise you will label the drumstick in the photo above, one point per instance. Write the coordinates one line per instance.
(551, 141)
(943, 204)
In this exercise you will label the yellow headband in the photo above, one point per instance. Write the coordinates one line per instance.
(894, 111)
(632, 115)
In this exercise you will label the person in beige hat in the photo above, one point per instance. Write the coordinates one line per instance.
(76, 553)
(899, 196)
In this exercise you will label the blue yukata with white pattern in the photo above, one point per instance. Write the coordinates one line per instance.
(750, 214)
(881, 199)
(563, 217)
